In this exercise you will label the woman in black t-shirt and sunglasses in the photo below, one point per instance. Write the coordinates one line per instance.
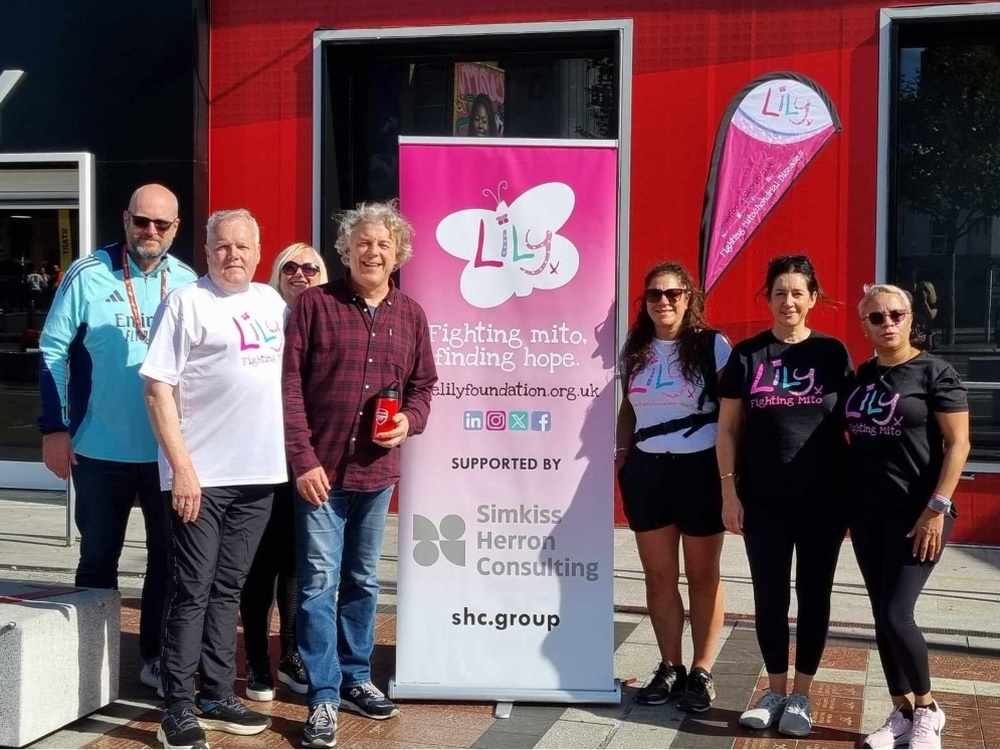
(908, 420)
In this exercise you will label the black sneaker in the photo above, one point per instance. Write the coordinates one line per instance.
(699, 693)
(292, 672)
(180, 729)
(230, 715)
(369, 701)
(260, 684)
(321, 727)
(667, 683)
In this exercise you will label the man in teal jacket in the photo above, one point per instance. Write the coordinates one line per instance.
(94, 420)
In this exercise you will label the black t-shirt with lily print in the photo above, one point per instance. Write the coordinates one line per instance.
(793, 443)
(897, 447)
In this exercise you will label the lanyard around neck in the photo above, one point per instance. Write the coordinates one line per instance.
(127, 276)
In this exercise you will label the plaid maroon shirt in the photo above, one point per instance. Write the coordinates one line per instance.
(337, 359)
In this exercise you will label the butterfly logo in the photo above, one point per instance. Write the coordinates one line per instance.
(515, 248)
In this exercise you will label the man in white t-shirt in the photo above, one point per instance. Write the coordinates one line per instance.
(213, 389)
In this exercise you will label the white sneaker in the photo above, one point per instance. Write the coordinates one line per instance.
(928, 723)
(895, 732)
(150, 676)
(797, 719)
(765, 711)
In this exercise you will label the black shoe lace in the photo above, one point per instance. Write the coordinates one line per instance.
(298, 669)
(701, 679)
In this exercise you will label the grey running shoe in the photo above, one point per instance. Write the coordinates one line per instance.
(180, 729)
(895, 732)
(321, 727)
(797, 719)
(768, 708)
(668, 682)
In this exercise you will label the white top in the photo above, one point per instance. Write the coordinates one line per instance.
(222, 352)
(658, 394)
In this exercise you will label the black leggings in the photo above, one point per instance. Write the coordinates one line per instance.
(894, 579)
(274, 563)
(770, 536)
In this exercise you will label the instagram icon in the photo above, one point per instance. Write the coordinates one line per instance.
(496, 420)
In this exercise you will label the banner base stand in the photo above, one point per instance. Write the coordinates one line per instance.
(502, 696)
(503, 709)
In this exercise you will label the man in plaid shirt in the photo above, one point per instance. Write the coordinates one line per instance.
(346, 341)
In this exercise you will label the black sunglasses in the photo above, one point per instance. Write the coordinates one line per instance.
(308, 269)
(654, 295)
(162, 225)
(878, 318)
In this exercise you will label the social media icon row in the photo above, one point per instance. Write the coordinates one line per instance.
(498, 421)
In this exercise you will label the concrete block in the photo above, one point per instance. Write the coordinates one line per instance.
(59, 657)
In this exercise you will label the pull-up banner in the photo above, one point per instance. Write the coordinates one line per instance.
(771, 131)
(505, 514)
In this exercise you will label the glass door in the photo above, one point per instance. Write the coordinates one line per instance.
(45, 225)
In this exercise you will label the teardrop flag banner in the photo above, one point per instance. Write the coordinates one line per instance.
(772, 130)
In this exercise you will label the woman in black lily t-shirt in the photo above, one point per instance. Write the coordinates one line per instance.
(781, 449)
(908, 419)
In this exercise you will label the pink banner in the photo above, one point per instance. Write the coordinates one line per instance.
(506, 546)
(773, 129)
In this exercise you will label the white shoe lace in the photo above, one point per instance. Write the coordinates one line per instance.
(371, 691)
(323, 717)
(924, 721)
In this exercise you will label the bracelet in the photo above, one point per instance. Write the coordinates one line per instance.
(724, 477)
(939, 503)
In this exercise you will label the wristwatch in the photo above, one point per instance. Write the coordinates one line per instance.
(939, 504)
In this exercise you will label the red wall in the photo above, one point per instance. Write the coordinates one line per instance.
(690, 58)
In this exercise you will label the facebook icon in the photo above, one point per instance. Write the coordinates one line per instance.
(472, 420)
(541, 421)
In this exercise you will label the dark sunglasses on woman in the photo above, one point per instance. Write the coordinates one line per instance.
(654, 295)
(877, 318)
(308, 269)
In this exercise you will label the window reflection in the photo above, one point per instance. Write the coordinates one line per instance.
(945, 247)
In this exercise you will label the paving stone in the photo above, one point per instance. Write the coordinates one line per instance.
(574, 734)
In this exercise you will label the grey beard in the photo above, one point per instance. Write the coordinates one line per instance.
(140, 254)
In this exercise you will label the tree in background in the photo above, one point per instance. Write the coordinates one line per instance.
(948, 137)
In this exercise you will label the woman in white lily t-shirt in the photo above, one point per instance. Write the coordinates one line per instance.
(668, 476)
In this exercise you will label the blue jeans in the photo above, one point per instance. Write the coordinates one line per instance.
(337, 550)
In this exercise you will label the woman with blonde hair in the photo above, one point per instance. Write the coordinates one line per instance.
(908, 420)
(272, 575)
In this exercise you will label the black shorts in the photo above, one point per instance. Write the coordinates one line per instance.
(660, 489)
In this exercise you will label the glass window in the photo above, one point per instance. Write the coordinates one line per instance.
(36, 247)
(525, 86)
(944, 245)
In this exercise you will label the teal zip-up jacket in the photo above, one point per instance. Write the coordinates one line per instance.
(91, 353)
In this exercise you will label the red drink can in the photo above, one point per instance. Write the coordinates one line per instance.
(386, 407)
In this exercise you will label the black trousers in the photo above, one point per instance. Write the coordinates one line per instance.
(212, 556)
(105, 494)
(894, 579)
(272, 576)
(770, 535)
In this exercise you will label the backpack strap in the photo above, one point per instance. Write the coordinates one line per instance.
(709, 369)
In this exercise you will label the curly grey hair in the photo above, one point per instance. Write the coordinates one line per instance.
(386, 214)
